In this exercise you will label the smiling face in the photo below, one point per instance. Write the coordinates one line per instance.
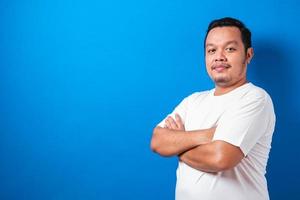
(226, 59)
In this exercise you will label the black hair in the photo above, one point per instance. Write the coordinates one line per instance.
(231, 22)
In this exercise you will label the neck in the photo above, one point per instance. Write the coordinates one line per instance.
(220, 90)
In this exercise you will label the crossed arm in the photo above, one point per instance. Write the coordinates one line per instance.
(195, 148)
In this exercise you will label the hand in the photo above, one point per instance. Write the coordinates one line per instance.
(174, 124)
(210, 132)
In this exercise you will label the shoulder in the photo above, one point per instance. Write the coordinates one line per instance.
(256, 93)
(193, 98)
(256, 98)
(197, 96)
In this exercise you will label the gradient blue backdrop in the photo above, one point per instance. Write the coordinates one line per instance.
(82, 84)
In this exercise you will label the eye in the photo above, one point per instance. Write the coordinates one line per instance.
(211, 51)
(230, 49)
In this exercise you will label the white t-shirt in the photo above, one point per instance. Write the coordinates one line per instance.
(245, 118)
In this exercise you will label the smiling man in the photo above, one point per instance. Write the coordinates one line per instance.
(223, 136)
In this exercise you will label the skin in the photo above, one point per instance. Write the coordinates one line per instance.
(226, 64)
(173, 140)
(225, 58)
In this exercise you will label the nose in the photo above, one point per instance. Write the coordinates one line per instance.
(220, 56)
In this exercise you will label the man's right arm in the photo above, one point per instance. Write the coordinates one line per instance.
(170, 142)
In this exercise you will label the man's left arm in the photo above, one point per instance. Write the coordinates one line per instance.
(238, 131)
(213, 157)
(210, 157)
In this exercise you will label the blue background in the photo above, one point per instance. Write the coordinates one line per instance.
(83, 83)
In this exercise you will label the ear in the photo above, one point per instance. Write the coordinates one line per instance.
(249, 54)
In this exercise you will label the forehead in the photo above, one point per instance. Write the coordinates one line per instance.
(223, 35)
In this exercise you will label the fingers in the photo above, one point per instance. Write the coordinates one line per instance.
(167, 124)
(175, 124)
(179, 122)
(211, 132)
(170, 123)
(213, 129)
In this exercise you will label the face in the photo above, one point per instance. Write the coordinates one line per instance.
(225, 57)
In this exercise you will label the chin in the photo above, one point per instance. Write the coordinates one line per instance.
(222, 84)
(222, 81)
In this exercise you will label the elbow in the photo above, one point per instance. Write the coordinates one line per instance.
(157, 146)
(226, 156)
(223, 162)
(154, 141)
(220, 164)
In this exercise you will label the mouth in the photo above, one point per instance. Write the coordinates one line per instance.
(220, 67)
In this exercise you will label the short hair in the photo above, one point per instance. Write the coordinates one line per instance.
(231, 22)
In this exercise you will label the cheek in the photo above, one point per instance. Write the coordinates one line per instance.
(208, 59)
(208, 67)
(239, 67)
(242, 58)
(238, 61)
(208, 62)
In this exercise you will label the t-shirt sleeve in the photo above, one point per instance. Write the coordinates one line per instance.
(181, 109)
(245, 122)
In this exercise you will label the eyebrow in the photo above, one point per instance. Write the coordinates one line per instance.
(227, 43)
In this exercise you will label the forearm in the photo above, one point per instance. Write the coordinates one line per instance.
(212, 157)
(202, 158)
(168, 142)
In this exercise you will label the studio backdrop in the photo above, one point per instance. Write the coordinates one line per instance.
(83, 84)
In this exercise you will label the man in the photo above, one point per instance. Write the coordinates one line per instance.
(222, 137)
